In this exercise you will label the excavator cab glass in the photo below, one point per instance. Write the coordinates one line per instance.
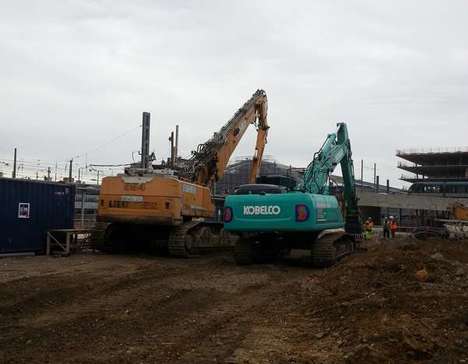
(259, 189)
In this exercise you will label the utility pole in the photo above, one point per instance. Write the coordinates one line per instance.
(177, 142)
(362, 171)
(70, 171)
(13, 175)
(97, 179)
(79, 174)
(55, 175)
(375, 172)
(48, 173)
(145, 140)
(171, 139)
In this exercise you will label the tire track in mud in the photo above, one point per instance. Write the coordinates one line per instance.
(172, 314)
(369, 308)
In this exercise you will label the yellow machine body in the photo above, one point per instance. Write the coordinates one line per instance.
(162, 200)
(169, 206)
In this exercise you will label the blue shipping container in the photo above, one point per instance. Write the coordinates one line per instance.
(28, 209)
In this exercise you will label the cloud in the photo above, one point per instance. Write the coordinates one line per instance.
(75, 74)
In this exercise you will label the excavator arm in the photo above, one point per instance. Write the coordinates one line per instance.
(336, 150)
(262, 132)
(209, 161)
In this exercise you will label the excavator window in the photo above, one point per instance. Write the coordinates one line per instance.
(259, 189)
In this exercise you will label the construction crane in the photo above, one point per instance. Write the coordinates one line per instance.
(270, 223)
(168, 207)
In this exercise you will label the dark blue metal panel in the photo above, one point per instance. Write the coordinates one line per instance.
(28, 209)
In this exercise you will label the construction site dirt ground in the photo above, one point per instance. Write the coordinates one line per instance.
(373, 307)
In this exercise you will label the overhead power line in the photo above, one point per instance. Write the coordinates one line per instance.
(110, 165)
(110, 141)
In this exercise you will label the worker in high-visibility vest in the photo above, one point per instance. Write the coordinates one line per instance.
(393, 226)
(368, 228)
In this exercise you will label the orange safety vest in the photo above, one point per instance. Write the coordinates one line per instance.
(393, 225)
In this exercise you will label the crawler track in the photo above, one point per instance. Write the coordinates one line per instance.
(331, 247)
(180, 241)
(243, 254)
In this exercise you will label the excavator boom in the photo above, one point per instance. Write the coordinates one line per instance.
(335, 150)
(209, 161)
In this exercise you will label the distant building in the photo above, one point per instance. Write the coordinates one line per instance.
(237, 173)
(438, 172)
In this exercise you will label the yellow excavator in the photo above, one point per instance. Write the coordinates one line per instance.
(168, 208)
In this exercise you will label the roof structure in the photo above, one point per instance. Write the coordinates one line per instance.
(237, 173)
(435, 164)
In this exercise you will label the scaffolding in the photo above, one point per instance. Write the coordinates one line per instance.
(442, 171)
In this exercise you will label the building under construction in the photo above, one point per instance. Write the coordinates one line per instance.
(437, 172)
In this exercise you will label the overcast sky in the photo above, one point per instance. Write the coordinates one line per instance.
(76, 75)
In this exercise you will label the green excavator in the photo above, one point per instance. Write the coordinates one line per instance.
(270, 221)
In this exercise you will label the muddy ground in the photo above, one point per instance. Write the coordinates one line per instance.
(371, 308)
